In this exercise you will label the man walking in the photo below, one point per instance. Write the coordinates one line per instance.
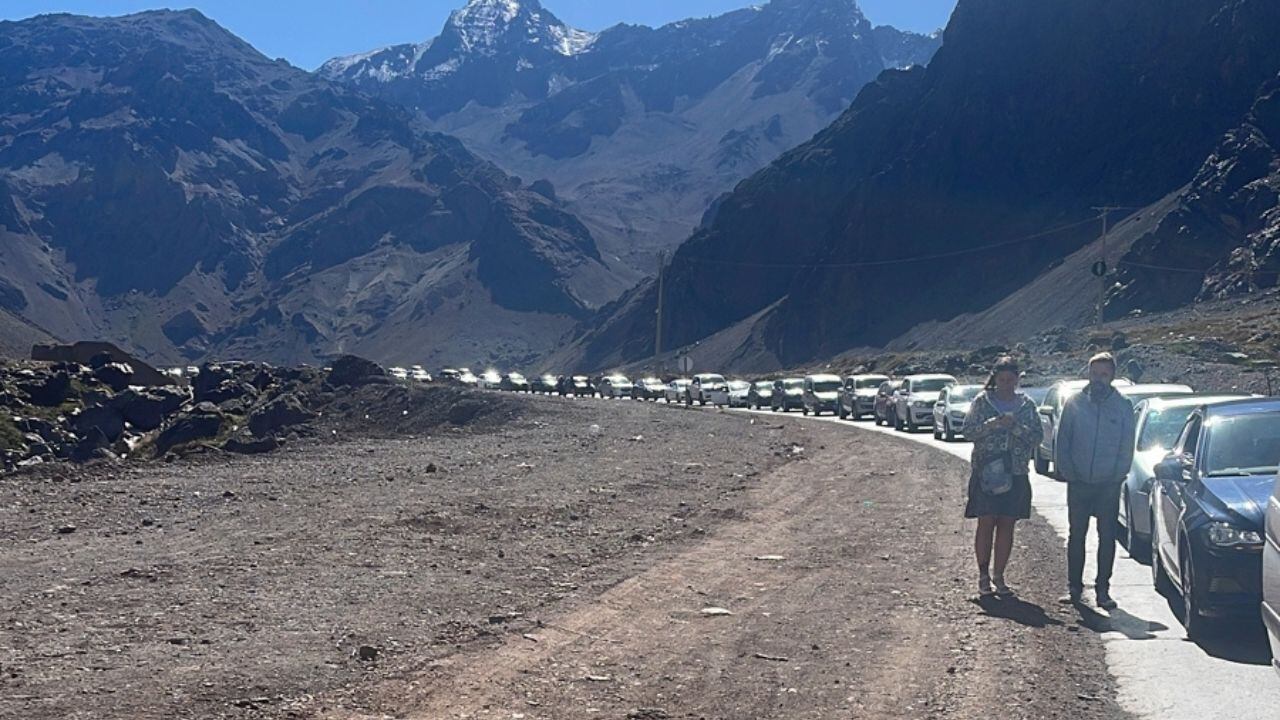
(1093, 451)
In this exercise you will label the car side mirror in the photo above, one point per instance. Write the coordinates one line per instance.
(1046, 411)
(1169, 469)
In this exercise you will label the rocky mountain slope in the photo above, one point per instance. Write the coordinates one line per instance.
(945, 189)
(165, 186)
(638, 129)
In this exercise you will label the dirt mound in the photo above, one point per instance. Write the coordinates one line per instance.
(397, 409)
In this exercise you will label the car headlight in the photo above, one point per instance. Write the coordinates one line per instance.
(1224, 535)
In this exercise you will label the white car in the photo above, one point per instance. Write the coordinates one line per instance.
(491, 380)
(858, 396)
(1051, 413)
(468, 379)
(952, 408)
(615, 386)
(916, 399)
(677, 390)
(821, 393)
(399, 373)
(739, 394)
(723, 396)
(703, 385)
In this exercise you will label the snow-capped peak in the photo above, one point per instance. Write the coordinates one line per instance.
(483, 25)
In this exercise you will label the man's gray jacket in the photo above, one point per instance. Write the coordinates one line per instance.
(1094, 438)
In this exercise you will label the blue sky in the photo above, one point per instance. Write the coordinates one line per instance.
(308, 32)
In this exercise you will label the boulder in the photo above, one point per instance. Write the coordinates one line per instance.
(211, 376)
(47, 389)
(83, 352)
(228, 390)
(352, 370)
(117, 376)
(202, 423)
(247, 444)
(282, 412)
(146, 409)
(102, 418)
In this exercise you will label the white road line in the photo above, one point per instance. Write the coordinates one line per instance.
(1159, 672)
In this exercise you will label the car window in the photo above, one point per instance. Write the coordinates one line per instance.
(1243, 445)
(1161, 427)
(1190, 437)
(931, 385)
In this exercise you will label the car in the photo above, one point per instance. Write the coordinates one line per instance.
(1037, 394)
(581, 386)
(399, 373)
(739, 394)
(677, 390)
(514, 382)
(1208, 506)
(702, 386)
(1158, 421)
(650, 388)
(1051, 413)
(490, 380)
(761, 394)
(450, 375)
(951, 410)
(916, 398)
(614, 387)
(468, 379)
(1271, 574)
(545, 384)
(788, 393)
(1138, 393)
(886, 403)
(858, 395)
(821, 393)
(417, 374)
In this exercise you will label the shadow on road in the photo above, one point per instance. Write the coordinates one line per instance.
(1019, 611)
(1241, 640)
(1129, 625)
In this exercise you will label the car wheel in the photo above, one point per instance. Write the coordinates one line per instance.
(911, 424)
(1159, 578)
(937, 434)
(1138, 550)
(895, 421)
(1195, 623)
(1042, 465)
(843, 414)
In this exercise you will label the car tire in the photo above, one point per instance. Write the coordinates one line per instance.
(1138, 549)
(911, 424)
(1159, 578)
(843, 414)
(949, 434)
(1193, 621)
(1042, 465)
(937, 434)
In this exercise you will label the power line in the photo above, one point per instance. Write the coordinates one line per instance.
(896, 261)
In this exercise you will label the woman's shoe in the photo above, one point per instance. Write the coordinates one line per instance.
(984, 586)
(1002, 589)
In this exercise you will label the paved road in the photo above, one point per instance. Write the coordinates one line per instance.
(1160, 673)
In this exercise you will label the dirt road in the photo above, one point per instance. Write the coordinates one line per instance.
(564, 566)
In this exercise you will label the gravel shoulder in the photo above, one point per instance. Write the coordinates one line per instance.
(557, 562)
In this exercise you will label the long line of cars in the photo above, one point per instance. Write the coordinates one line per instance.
(1201, 502)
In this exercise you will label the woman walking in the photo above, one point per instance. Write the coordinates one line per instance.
(1005, 429)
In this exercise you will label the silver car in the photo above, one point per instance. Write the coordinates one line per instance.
(951, 410)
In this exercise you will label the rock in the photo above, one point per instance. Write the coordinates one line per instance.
(466, 410)
(48, 390)
(207, 381)
(247, 444)
(228, 390)
(352, 370)
(117, 376)
(366, 653)
(85, 353)
(204, 422)
(282, 412)
(147, 409)
(104, 419)
(66, 529)
(87, 448)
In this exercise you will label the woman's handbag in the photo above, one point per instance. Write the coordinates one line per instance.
(995, 477)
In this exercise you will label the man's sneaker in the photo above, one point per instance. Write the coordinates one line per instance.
(984, 586)
(1072, 597)
(1002, 589)
(1105, 601)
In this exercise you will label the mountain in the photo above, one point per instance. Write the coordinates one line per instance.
(638, 129)
(165, 186)
(946, 188)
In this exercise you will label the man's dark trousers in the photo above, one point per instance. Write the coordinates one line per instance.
(1092, 500)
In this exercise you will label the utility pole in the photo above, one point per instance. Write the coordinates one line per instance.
(1105, 216)
(662, 278)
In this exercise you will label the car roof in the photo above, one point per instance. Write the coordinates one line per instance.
(1078, 383)
(868, 376)
(1193, 400)
(1244, 406)
(930, 376)
(1156, 387)
(823, 378)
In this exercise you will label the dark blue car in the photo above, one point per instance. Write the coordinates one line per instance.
(1208, 507)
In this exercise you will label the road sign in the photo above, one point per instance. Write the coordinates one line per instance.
(686, 364)
(1100, 268)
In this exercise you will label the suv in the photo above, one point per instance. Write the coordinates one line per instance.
(858, 395)
(615, 386)
(514, 382)
(761, 394)
(581, 386)
(648, 389)
(702, 386)
(676, 390)
(1051, 414)
(787, 394)
(821, 392)
(915, 400)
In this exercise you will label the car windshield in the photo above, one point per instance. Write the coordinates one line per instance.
(764, 386)
(1244, 445)
(827, 386)
(868, 383)
(713, 380)
(793, 384)
(736, 385)
(931, 385)
(1037, 395)
(965, 394)
(1162, 427)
